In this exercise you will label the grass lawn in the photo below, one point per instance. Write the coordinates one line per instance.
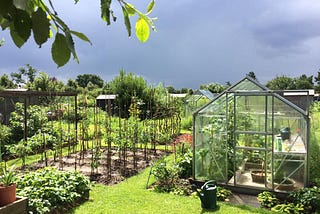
(130, 196)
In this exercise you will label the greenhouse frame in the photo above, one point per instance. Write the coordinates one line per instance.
(250, 137)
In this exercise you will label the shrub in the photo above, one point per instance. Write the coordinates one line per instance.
(288, 208)
(165, 175)
(268, 199)
(184, 163)
(49, 189)
(36, 121)
(315, 144)
(222, 193)
(186, 123)
(308, 197)
(5, 135)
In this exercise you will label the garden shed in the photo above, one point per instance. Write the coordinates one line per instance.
(107, 102)
(251, 138)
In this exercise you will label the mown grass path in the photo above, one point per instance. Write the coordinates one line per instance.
(131, 196)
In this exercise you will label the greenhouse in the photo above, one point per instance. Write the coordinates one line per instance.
(250, 137)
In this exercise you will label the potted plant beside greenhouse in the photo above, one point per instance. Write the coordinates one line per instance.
(7, 186)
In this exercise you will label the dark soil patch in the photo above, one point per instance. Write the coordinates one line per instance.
(119, 170)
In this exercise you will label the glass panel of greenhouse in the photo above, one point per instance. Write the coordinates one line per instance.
(250, 137)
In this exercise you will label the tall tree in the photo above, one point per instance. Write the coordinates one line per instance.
(21, 17)
(281, 83)
(304, 82)
(29, 72)
(213, 87)
(25, 74)
(252, 75)
(126, 86)
(5, 82)
(317, 81)
(84, 79)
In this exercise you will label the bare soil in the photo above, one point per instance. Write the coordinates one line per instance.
(119, 170)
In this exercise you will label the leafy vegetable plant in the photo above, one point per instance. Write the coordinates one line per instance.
(49, 189)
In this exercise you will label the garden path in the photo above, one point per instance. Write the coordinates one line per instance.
(240, 199)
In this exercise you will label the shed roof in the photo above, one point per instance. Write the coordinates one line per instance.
(178, 95)
(106, 97)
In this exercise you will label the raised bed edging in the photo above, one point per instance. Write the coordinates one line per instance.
(18, 207)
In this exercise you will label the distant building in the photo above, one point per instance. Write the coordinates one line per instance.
(107, 102)
(178, 95)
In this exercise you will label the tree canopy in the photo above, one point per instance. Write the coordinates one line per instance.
(288, 83)
(23, 17)
(84, 79)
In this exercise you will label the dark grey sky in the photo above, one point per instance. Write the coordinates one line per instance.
(197, 42)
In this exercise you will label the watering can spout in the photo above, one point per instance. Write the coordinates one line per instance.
(200, 194)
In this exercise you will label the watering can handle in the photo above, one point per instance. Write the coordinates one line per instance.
(209, 182)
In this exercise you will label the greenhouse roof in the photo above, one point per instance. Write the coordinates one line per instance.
(247, 84)
(199, 94)
(250, 86)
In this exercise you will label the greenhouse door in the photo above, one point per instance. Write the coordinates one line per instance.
(252, 132)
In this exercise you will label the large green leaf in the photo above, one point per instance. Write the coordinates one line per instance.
(126, 20)
(22, 24)
(105, 10)
(150, 7)
(18, 41)
(142, 30)
(59, 50)
(40, 26)
(81, 36)
(70, 45)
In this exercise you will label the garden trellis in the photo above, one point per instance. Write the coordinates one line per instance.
(37, 108)
(250, 124)
(69, 132)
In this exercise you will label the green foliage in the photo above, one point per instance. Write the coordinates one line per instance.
(49, 189)
(142, 24)
(308, 197)
(7, 177)
(287, 83)
(315, 144)
(213, 87)
(165, 175)
(60, 50)
(40, 26)
(39, 17)
(222, 193)
(126, 86)
(21, 150)
(5, 82)
(35, 144)
(288, 208)
(84, 79)
(142, 30)
(268, 199)
(36, 121)
(186, 123)
(184, 163)
(5, 135)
